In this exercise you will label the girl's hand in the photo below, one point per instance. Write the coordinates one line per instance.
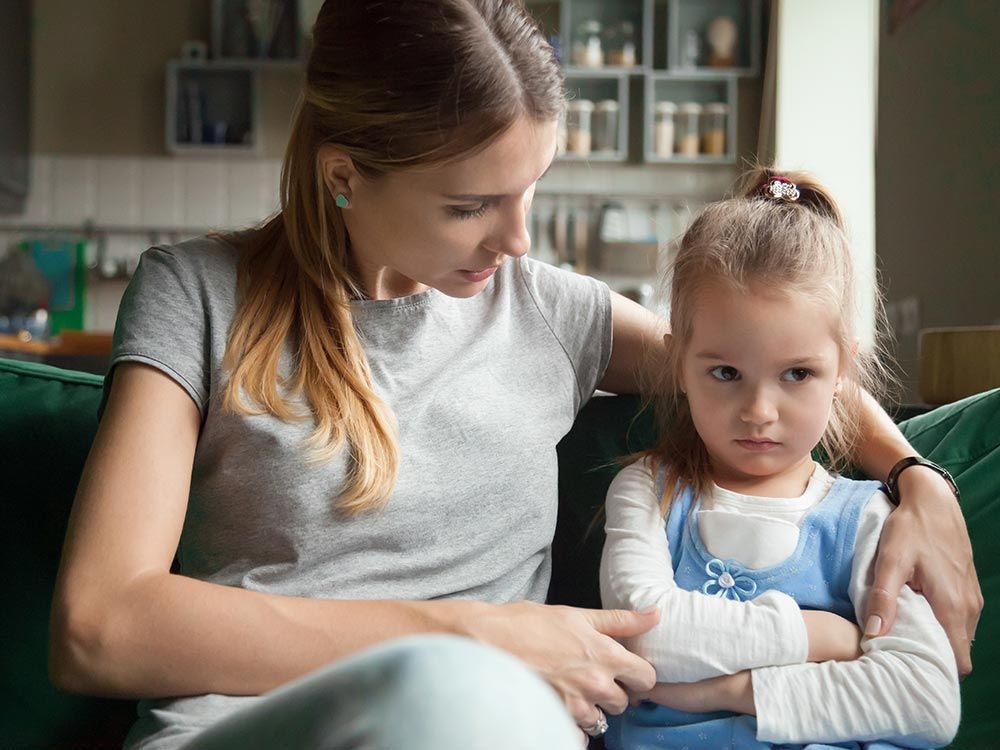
(925, 543)
(732, 692)
(574, 650)
(831, 637)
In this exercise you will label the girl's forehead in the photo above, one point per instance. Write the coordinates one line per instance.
(750, 316)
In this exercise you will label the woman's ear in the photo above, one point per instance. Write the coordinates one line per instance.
(337, 168)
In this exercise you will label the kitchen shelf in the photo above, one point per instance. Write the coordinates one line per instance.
(219, 99)
(661, 27)
(686, 88)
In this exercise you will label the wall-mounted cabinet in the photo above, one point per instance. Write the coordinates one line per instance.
(596, 122)
(211, 108)
(713, 37)
(689, 120)
(213, 105)
(686, 55)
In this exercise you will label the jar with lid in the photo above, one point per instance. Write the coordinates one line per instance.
(620, 44)
(587, 49)
(714, 130)
(663, 129)
(578, 116)
(605, 126)
(688, 123)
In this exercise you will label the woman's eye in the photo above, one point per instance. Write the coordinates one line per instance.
(468, 212)
(724, 373)
(796, 375)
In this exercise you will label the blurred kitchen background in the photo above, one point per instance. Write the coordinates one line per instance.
(127, 123)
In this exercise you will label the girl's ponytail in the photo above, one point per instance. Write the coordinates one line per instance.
(757, 183)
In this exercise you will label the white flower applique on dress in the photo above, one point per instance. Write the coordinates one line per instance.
(726, 581)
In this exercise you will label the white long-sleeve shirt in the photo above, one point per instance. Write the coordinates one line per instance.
(904, 688)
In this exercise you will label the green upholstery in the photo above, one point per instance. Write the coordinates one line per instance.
(48, 420)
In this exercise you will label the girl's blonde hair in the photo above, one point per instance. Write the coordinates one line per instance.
(783, 246)
(421, 84)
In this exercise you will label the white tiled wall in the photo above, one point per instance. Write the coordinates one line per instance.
(188, 196)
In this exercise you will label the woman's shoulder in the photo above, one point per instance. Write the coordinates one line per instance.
(210, 255)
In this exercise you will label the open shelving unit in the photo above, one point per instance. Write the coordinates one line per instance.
(671, 64)
(212, 104)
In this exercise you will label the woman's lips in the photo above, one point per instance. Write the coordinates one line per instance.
(482, 275)
(759, 446)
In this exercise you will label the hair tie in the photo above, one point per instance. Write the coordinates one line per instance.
(780, 188)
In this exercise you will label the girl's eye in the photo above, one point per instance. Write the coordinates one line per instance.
(796, 375)
(724, 373)
(468, 213)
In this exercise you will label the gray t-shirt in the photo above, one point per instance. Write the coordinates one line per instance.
(483, 388)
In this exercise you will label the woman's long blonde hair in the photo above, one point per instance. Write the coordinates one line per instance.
(394, 85)
(784, 246)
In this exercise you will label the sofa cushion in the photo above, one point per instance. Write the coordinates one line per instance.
(48, 418)
(964, 437)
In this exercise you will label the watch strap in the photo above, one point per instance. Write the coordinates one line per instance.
(892, 482)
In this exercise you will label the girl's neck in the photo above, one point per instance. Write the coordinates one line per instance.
(790, 482)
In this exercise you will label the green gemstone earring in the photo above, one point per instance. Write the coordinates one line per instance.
(341, 201)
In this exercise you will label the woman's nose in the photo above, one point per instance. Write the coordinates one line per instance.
(512, 236)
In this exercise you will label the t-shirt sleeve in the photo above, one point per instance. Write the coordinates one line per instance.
(162, 322)
(577, 309)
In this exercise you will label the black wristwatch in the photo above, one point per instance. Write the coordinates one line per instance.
(892, 483)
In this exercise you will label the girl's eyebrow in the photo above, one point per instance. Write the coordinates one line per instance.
(709, 355)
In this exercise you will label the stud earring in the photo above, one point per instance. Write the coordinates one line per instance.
(341, 201)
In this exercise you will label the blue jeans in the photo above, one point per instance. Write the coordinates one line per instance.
(421, 693)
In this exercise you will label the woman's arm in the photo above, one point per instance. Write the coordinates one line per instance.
(700, 636)
(123, 625)
(925, 542)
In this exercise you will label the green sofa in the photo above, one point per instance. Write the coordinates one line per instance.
(47, 422)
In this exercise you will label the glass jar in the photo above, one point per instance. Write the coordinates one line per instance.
(714, 130)
(620, 44)
(587, 49)
(663, 129)
(605, 126)
(578, 115)
(688, 128)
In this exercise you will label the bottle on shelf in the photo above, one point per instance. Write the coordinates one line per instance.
(663, 129)
(578, 126)
(587, 49)
(714, 131)
(605, 126)
(621, 47)
(688, 127)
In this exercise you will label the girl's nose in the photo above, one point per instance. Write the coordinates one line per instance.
(760, 408)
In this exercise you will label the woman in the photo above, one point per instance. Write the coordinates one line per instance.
(344, 424)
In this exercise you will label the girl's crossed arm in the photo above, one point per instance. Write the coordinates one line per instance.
(699, 636)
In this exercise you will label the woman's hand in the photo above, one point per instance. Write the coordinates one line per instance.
(731, 692)
(574, 650)
(831, 637)
(925, 543)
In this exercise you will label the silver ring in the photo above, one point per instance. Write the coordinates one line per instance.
(599, 727)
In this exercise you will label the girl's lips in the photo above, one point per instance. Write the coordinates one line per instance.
(757, 445)
(479, 275)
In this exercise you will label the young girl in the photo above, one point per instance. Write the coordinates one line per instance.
(730, 514)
